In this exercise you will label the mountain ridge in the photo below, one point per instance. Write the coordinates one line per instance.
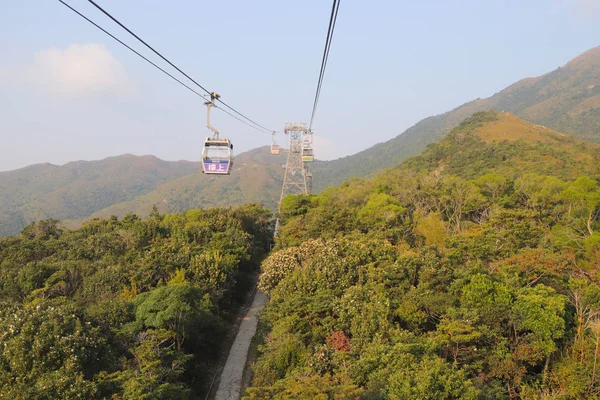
(571, 104)
(79, 188)
(566, 99)
(256, 176)
(81, 161)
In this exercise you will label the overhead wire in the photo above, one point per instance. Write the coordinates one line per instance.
(332, 20)
(266, 132)
(173, 65)
(158, 67)
(329, 47)
(325, 54)
(129, 47)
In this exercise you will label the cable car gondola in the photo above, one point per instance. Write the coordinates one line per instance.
(274, 147)
(307, 154)
(217, 156)
(217, 153)
(307, 150)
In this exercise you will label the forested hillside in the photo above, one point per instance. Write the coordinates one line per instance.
(124, 309)
(468, 272)
(256, 178)
(78, 189)
(566, 99)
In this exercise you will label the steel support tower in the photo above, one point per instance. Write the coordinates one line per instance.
(294, 180)
(297, 179)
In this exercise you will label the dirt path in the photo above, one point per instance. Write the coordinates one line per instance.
(231, 377)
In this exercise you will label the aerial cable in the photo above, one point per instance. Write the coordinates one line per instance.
(327, 56)
(332, 21)
(147, 45)
(173, 65)
(127, 46)
(243, 116)
(330, 30)
(266, 131)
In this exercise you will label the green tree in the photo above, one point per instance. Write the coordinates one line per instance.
(432, 378)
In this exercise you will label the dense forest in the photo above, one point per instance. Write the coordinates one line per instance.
(468, 272)
(124, 309)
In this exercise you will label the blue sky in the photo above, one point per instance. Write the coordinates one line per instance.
(68, 92)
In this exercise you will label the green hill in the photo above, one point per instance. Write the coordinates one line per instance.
(256, 178)
(566, 99)
(493, 144)
(78, 189)
(501, 143)
(468, 272)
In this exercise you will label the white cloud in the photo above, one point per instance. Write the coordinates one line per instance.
(79, 70)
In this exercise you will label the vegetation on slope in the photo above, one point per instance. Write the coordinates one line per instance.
(124, 309)
(78, 189)
(256, 178)
(567, 100)
(469, 272)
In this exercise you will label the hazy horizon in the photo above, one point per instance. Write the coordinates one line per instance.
(71, 93)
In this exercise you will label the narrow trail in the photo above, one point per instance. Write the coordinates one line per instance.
(231, 377)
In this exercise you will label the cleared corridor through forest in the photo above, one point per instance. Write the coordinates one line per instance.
(231, 377)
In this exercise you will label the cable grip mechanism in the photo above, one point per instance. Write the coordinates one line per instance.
(210, 104)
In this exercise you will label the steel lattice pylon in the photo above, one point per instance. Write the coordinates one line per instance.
(297, 179)
(294, 180)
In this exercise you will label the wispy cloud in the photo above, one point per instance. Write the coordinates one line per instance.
(79, 70)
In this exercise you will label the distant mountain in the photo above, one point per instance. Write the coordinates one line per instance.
(567, 100)
(257, 175)
(256, 178)
(78, 189)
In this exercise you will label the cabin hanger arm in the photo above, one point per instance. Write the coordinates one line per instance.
(210, 104)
